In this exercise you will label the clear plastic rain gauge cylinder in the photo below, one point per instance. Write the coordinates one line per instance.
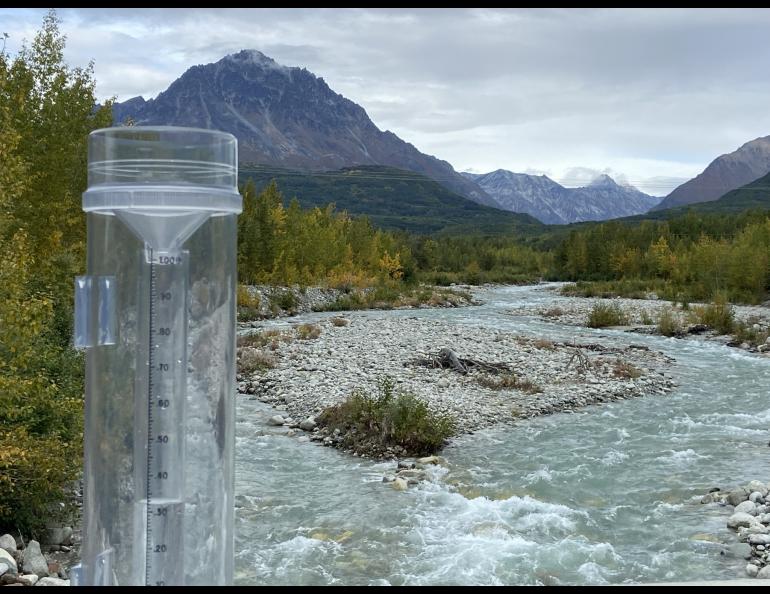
(156, 315)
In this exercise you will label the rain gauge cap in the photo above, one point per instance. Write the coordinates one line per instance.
(162, 168)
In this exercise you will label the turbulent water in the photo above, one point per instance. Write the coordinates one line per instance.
(607, 495)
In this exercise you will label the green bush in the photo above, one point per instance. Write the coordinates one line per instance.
(718, 315)
(603, 315)
(371, 424)
(668, 323)
(287, 301)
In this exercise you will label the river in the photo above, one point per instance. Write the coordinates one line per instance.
(609, 494)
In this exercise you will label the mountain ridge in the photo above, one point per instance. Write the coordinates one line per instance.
(552, 203)
(287, 117)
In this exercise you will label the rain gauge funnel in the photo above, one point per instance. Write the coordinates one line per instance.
(156, 317)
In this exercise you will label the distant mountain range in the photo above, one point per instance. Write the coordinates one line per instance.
(392, 199)
(552, 203)
(286, 117)
(725, 173)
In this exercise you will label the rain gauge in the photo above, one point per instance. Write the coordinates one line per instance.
(156, 317)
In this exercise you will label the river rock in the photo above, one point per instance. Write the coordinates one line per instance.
(752, 570)
(276, 420)
(8, 543)
(7, 561)
(746, 507)
(59, 535)
(52, 581)
(428, 460)
(308, 424)
(29, 579)
(739, 519)
(32, 560)
(759, 539)
(737, 496)
(303, 439)
(757, 486)
(443, 383)
(764, 573)
(400, 484)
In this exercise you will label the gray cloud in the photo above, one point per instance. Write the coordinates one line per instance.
(652, 94)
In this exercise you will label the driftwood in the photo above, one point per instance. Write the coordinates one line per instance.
(447, 359)
(582, 365)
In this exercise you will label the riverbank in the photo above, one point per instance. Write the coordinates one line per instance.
(307, 376)
(262, 302)
(642, 316)
(750, 519)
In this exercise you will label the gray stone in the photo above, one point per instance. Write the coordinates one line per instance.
(746, 507)
(764, 518)
(400, 484)
(756, 497)
(443, 383)
(303, 439)
(29, 579)
(32, 560)
(308, 424)
(7, 559)
(276, 420)
(757, 485)
(8, 543)
(737, 496)
(52, 581)
(739, 519)
(428, 460)
(752, 570)
(764, 573)
(740, 550)
(388, 479)
(405, 465)
(759, 539)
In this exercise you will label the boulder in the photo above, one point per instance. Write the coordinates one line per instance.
(739, 519)
(752, 570)
(32, 560)
(308, 424)
(737, 496)
(52, 581)
(757, 486)
(759, 539)
(428, 460)
(756, 497)
(400, 484)
(8, 543)
(27, 580)
(7, 562)
(746, 507)
(764, 573)
(276, 420)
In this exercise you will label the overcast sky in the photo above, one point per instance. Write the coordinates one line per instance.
(647, 95)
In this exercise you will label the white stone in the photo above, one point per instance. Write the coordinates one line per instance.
(764, 573)
(52, 581)
(7, 559)
(759, 539)
(739, 519)
(752, 570)
(8, 543)
(29, 579)
(33, 561)
(400, 484)
(747, 507)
